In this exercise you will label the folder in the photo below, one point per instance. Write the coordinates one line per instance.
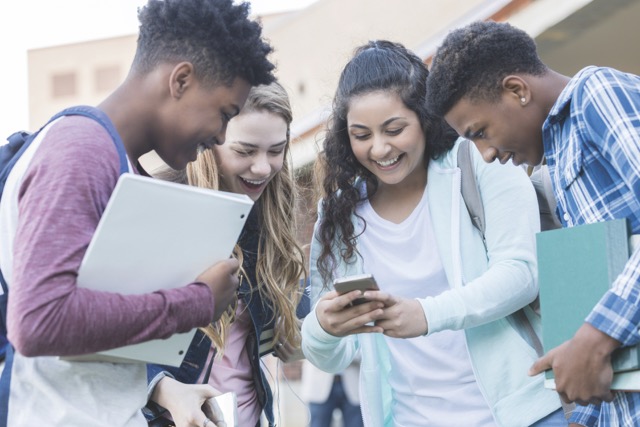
(158, 235)
(576, 267)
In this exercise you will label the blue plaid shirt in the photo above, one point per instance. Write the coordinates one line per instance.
(592, 146)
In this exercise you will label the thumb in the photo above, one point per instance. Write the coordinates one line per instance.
(214, 412)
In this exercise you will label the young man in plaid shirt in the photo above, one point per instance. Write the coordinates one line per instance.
(492, 88)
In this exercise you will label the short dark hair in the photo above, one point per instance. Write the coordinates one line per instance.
(216, 36)
(472, 61)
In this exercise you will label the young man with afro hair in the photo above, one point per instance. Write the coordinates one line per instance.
(194, 65)
(492, 88)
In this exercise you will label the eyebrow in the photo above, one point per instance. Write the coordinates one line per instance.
(385, 123)
(250, 145)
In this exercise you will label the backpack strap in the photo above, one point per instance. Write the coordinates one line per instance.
(21, 140)
(469, 188)
(12, 151)
(100, 117)
(547, 204)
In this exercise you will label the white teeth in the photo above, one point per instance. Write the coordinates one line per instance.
(254, 182)
(387, 162)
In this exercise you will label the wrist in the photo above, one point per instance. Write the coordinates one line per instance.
(162, 394)
(596, 340)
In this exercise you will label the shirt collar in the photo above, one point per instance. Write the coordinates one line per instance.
(560, 108)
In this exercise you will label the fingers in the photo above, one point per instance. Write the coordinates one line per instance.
(340, 320)
(597, 399)
(288, 352)
(233, 265)
(584, 402)
(404, 319)
(214, 413)
(283, 350)
(542, 364)
(383, 297)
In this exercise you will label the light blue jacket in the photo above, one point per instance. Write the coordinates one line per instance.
(486, 287)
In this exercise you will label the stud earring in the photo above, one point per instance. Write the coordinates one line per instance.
(523, 100)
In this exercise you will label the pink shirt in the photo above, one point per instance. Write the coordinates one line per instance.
(233, 371)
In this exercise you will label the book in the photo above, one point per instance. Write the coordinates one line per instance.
(576, 267)
(156, 235)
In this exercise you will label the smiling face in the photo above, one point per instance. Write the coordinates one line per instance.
(503, 130)
(386, 138)
(253, 154)
(198, 119)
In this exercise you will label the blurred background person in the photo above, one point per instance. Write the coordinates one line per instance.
(324, 392)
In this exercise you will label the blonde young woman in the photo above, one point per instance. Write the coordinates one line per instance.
(252, 161)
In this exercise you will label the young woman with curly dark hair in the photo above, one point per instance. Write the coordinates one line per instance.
(437, 342)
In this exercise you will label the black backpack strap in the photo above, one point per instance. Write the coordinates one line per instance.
(11, 152)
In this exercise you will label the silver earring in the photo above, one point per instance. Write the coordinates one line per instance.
(523, 100)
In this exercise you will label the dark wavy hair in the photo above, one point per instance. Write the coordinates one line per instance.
(472, 61)
(376, 66)
(216, 36)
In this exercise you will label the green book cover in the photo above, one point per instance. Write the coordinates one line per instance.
(576, 266)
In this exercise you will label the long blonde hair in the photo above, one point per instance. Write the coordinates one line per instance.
(280, 262)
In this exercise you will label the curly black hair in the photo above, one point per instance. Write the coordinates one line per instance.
(376, 66)
(216, 36)
(472, 61)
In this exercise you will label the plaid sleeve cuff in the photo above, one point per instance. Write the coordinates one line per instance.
(617, 317)
(585, 415)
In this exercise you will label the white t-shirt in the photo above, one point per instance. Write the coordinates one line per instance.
(431, 376)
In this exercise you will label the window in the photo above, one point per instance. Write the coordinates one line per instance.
(63, 85)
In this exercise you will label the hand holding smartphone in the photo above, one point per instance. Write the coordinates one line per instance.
(361, 282)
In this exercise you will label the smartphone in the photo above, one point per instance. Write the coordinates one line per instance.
(362, 282)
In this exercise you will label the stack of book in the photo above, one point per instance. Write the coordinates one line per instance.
(576, 268)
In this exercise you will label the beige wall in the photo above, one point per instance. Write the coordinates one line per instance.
(311, 47)
(106, 60)
(313, 44)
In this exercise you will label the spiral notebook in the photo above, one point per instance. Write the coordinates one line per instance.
(157, 235)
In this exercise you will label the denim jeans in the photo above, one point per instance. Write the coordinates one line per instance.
(322, 413)
(554, 419)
